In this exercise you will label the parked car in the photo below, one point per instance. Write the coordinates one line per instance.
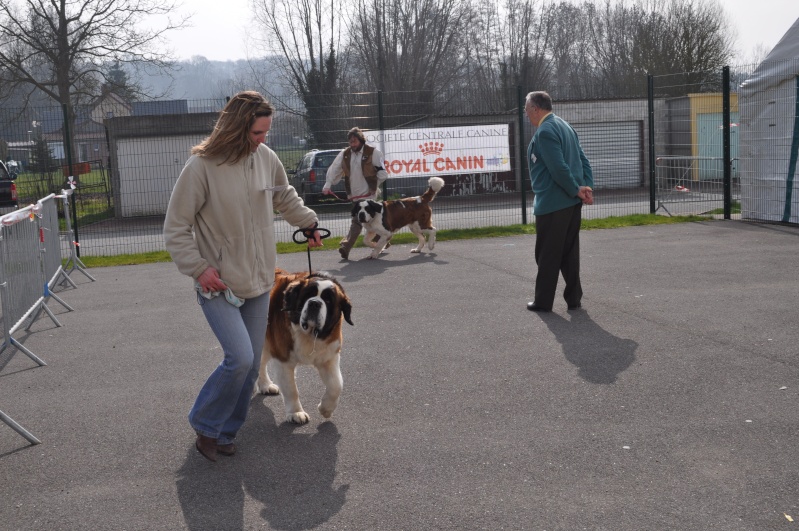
(309, 176)
(8, 189)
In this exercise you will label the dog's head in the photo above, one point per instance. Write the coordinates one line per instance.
(317, 303)
(367, 210)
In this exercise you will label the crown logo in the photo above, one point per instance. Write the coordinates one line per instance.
(431, 148)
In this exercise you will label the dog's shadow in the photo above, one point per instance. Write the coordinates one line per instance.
(598, 355)
(289, 472)
(358, 268)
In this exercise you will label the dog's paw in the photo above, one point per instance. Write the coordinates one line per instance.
(268, 389)
(416, 251)
(327, 413)
(299, 418)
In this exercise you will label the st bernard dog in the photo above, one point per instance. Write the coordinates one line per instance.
(386, 218)
(304, 328)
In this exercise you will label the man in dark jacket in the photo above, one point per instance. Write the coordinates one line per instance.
(562, 182)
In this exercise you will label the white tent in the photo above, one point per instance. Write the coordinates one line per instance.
(769, 135)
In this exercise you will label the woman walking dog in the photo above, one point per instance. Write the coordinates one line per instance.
(219, 231)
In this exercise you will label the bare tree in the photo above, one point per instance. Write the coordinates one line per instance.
(409, 44)
(304, 35)
(611, 30)
(410, 47)
(529, 30)
(62, 48)
(757, 54)
(573, 75)
(506, 48)
(604, 48)
(687, 39)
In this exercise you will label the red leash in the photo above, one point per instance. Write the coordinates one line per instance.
(352, 199)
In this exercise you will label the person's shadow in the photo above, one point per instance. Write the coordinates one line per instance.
(598, 355)
(290, 474)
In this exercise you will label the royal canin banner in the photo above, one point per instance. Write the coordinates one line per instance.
(443, 150)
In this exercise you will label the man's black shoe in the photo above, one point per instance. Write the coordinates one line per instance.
(577, 306)
(533, 307)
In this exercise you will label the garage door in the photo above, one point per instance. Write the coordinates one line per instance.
(615, 151)
(148, 169)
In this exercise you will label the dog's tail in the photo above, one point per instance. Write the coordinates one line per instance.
(434, 185)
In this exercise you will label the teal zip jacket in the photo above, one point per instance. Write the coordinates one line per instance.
(558, 166)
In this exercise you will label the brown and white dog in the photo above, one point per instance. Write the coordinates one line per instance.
(304, 328)
(386, 218)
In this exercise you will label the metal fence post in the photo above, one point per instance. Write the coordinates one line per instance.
(521, 153)
(650, 96)
(381, 126)
(725, 110)
(74, 258)
(68, 153)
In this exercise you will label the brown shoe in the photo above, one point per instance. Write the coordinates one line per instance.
(226, 449)
(206, 446)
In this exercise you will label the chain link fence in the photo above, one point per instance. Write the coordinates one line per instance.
(676, 149)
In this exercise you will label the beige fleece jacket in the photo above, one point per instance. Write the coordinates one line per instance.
(223, 216)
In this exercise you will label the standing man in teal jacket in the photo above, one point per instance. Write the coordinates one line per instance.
(562, 182)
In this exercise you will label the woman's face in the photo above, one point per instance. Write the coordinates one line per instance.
(259, 131)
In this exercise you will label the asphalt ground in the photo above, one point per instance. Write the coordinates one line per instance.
(669, 402)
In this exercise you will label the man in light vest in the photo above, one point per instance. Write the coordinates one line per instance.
(361, 166)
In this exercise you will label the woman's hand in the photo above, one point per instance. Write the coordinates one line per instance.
(209, 280)
(315, 240)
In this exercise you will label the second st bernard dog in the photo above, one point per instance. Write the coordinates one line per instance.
(304, 328)
(386, 218)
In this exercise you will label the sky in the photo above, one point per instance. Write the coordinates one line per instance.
(226, 33)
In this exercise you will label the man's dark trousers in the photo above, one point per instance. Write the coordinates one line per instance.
(557, 250)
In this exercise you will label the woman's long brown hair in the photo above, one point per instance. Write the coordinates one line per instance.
(230, 138)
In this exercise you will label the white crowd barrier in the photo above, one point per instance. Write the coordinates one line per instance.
(30, 267)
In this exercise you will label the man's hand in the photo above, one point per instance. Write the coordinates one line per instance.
(586, 195)
(327, 191)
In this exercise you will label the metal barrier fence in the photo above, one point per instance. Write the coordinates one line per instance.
(30, 266)
(691, 184)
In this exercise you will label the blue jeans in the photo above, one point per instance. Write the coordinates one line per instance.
(221, 407)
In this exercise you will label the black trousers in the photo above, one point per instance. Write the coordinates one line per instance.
(557, 250)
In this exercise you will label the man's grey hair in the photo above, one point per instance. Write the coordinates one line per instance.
(539, 99)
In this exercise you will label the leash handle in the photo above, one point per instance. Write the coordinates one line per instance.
(308, 234)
